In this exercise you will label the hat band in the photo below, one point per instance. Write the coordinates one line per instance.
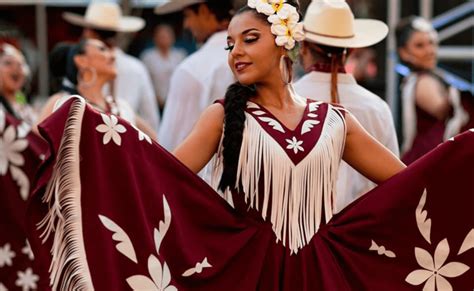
(327, 35)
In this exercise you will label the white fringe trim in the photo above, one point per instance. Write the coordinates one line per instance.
(297, 193)
(69, 269)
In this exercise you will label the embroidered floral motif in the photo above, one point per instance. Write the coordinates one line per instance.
(27, 251)
(434, 270)
(381, 250)
(313, 106)
(468, 242)
(197, 269)
(10, 149)
(27, 280)
(6, 255)
(141, 135)
(295, 145)
(111, 128)
(160, 277)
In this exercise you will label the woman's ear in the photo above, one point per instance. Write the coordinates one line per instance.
(404, 54)
(80, 61)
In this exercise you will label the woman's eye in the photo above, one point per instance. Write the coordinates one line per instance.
(229, 47)
(250, 39)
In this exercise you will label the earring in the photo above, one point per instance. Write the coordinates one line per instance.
(285, 69)
(89, 83)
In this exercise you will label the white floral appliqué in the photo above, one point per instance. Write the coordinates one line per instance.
(27, 251)
(10, 148)
(6, 255)
(111, 128)
(434, 270)
(295, 145)
(27, 280)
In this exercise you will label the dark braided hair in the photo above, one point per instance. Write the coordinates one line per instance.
(235, 102)
(62, 65)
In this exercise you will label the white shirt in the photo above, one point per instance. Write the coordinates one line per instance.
(133, 84)
(199, 80)
(369, 109)
(161, 68)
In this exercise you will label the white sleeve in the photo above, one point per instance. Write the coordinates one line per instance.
(148, 108)
(390, 141)
(182, 109)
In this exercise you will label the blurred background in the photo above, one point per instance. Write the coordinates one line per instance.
(35, 26)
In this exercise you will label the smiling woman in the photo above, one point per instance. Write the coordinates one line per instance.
(14, 72)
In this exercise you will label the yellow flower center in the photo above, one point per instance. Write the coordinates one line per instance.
(277, 6)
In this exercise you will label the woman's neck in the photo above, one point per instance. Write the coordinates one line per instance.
(275, 94)
(93, 93)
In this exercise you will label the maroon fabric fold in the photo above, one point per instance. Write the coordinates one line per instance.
(148, 223)
(20, 156)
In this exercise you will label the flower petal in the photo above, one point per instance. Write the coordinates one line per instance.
(107, 137)
(102, 128)
(19, 145)
(443, 284)
(140, 282)
(430, 284)
(441, 253)
(424, 259)
(113, 120)
(290, 44)
(105, 118)
(166, 276)
(16, 159)
(418, 276)
(155, 270)
(120, 128)
(453, 269)
(3, 166)
(9, 135)
(116, 137)
(279, 29)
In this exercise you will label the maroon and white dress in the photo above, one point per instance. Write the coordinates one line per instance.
(117, 212)
(20, 154)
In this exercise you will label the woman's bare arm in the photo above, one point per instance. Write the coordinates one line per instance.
(365, 154)
(202, 143)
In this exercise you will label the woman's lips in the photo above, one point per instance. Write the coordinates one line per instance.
(240, 66)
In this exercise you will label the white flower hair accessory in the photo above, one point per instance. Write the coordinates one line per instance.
(422, 24)
(284, 19)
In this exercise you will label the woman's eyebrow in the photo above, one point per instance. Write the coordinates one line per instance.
(249, 30)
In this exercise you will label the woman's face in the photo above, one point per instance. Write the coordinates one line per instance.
(12, 75)
(101, 58)
(420, 50)
(253, 55)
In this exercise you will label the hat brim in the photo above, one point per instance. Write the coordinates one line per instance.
(174, 6)
(367, 32)
(126, 23)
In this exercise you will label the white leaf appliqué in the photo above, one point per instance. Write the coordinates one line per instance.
(124, 245)
(273, 123)
(197, 269)
(381, 250)
(111, 129)
(423, 223)
(21, 180)
(27, 251)
(468, 242)
(308, 125)
(160, 277)
(163, 225)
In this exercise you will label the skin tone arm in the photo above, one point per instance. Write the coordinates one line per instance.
(367, 155)
(199, 147)
(429, 97)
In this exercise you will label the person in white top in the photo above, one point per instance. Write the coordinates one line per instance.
(322, 54)
(162, 60)
(103, 21)
(203, 76)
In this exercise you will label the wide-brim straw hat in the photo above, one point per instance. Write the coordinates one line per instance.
(171, 6)
(105, 16)
(332, 23)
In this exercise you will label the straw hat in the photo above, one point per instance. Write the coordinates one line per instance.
(106, 16)
(331, 22)
(170, 6)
